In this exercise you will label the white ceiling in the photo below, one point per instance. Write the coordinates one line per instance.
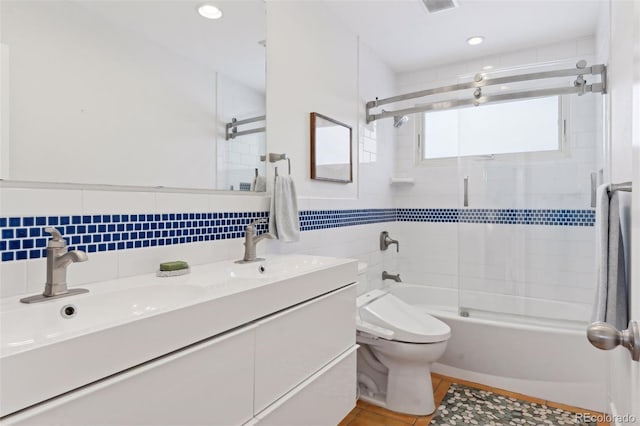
(401, 32)
(405, 36)
(228, 45)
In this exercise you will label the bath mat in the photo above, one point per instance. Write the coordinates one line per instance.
(468, 406)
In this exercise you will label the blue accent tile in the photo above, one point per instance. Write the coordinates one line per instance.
(7, 256)
(150, 230)
(21, 255)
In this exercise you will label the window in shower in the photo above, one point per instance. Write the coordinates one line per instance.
(525, 126)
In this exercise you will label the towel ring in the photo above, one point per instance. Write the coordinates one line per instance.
(277, 157)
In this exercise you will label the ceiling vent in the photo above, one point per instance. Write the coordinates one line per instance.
(434, 6)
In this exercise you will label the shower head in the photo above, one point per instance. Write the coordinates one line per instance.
(399, 120)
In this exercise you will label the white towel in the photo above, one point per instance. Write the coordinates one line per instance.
(612, 295)
(283, 217)
(259, 184)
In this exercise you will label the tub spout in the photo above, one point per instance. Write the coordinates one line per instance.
(388, 276)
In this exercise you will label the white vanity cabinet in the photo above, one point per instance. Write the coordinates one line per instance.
(292, 367)
(295, 343)
(207, 384)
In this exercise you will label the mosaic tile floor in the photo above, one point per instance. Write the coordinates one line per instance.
(468, 406)
(461, 402)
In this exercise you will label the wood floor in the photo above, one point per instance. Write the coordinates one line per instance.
(365, 414)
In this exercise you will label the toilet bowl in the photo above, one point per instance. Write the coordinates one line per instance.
(398, 345)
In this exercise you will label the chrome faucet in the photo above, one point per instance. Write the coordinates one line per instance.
(58, 259)
(388, 276)
(386, 241)
(251, 240)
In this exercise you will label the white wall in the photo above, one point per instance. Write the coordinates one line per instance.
(341, 98)
(4, 111)
(82, 104)
(314, 71)
(505, 267)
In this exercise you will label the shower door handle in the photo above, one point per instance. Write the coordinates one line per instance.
(606, 337)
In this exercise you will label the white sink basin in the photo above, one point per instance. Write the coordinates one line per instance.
(276, 267)
(33, 325)
(122, 323)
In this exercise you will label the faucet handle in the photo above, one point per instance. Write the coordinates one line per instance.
(56, 240)
(55, 234)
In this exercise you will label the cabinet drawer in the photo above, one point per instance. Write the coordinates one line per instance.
(323, 399)
(209, 383)
(294, 344)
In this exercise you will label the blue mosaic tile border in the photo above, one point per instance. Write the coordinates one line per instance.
(24, 237)
(547, 217)
(322, 219)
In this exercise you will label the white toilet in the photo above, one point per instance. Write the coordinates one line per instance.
(398, 344)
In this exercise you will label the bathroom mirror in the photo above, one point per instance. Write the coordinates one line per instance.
(132, 93)
(331, 158)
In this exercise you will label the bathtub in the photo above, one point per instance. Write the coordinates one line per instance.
(546, 362)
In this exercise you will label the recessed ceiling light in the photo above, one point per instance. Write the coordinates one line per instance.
(209, 11)
(487, 67)
(475, 40)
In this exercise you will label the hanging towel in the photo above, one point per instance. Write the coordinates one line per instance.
(612, 242)
(283, 217)
(259, 184)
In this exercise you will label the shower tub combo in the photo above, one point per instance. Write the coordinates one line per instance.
(548, 362)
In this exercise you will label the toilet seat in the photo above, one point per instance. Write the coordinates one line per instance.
(383, 315)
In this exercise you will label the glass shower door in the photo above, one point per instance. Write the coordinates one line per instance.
(525, 223)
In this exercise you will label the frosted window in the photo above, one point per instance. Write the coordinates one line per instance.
(511, 127)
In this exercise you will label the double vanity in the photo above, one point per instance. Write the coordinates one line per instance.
(262, 343)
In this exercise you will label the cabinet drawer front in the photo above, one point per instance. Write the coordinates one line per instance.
(296, 343)
(324, 399)
(209, 383)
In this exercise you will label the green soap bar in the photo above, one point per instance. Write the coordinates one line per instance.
(174, 266)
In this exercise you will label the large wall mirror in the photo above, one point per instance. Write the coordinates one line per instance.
(135, 93)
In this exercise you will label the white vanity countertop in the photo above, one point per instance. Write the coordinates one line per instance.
(122, 323)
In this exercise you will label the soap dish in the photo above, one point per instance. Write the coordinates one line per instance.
(175, 273)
